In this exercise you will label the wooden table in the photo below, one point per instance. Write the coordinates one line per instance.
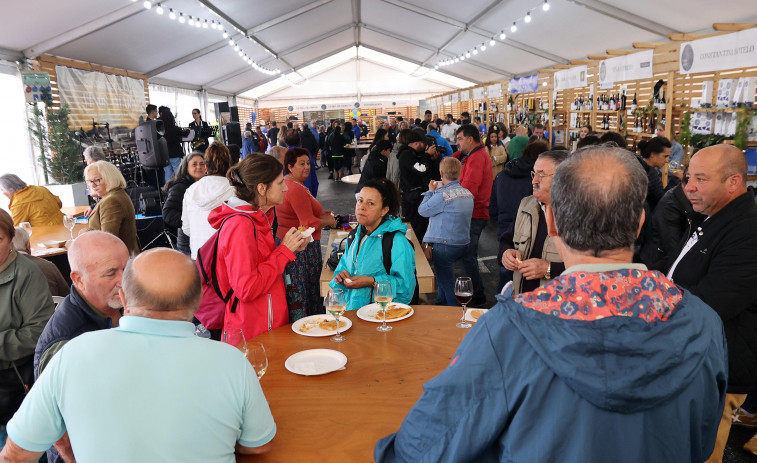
(76, 211)
(41, 234)
(426, 279)
(341, 415)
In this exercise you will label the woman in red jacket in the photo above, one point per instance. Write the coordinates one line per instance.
(249, 262)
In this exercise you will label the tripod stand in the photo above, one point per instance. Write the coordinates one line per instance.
(164, 233)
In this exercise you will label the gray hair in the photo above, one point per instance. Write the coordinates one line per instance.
(10, 183)
(94, 154)
(20, 240)
(556, 156)
(139, 296)
(450, 168)
(247, 134)
(597, 197)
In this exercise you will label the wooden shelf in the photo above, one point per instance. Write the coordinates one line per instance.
(718, 110)
(748, 144)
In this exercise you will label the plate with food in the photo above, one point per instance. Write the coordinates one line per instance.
(320, 325)
(313, 362)
(394, 312)
(473, 315)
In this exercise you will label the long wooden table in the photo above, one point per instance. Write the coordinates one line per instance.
(340, 416)
(40, 234)
(426, 279)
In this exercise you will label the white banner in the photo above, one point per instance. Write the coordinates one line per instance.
(635, 66)
(455, 97)
(495, 90)
(117, 100)
(446, 99)
(729, 51)
(571, 78)
(478, 93)
(465, 95)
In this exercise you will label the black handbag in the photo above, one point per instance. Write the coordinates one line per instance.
(336, 253)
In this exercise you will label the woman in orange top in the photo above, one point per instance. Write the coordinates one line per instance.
(301, 209)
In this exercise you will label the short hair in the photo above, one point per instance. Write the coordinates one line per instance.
(450, 168)
(655, 145)
(150, 108)
(428, 111)
(477, 118)
(614, 137)
(400, 119)
(556, 156)
(431, 126)
(247, 134)
(251, 172)
(403, 136)
(449, 115)
(532, 150)
(539, 126)
(390, 195)
(595, 208)
(588, 127)
(292, 138)
(11, 182)
(383, 145)
(108, 173)
(6, 224)
(138, 295)
(217, 158)
(469, 130)
(291, 156)
(94, 153)
(21, 239)
(273, 123)
(588, 140)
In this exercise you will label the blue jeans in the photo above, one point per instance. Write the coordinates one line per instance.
(470, 259)
(445, 256)
(173, 166)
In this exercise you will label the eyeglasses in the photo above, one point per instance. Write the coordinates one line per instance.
(541, 175)
(94, 182)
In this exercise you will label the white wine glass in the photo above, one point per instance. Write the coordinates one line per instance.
(336, 305)
(27, 227)
(382, 294)
(463, 294)
(235, 337)
(257, 357)
(69, 223)
(352, 220)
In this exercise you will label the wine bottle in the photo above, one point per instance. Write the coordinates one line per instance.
(633, 103)
(662, 101)
(623, 101)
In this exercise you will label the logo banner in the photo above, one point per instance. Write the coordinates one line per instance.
(571, 78)
(494, 90)
(118, 100)
(628, 67)
(729, 51)
(524, 84)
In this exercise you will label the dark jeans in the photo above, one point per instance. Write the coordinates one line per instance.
(445, 256)
(505, 275)
(470, 259)
(410, 203)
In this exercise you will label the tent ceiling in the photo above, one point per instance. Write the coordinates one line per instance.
(122, 33)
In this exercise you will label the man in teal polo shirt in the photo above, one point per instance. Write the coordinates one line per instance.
(148, 390)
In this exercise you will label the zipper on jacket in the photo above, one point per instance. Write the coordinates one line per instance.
(270, 313)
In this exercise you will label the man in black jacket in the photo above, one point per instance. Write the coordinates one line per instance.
(375, 164)
(718, 263)
(415, 171)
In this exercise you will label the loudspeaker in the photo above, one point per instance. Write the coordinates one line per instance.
(232, 134)
(234, 113)
(152, 149)
(149, 203)
(136, 192)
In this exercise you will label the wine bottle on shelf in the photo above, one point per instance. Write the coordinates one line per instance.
(662, 101)
(623, 101)
(612, 103)
(633, 103)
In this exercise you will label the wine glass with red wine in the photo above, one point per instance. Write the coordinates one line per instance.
(463, 294)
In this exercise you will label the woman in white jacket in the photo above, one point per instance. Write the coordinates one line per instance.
(205, 195)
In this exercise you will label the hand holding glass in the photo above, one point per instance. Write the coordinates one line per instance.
(382, 294)
(336, 305)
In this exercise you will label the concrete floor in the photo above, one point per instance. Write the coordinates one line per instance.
(340, 197)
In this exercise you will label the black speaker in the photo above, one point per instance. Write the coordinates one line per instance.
(232, 134)
(149, 203)
(234, 113)
(136, 192)
(152, 149)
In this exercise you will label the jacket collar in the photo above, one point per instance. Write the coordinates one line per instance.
(167, 328)
(732, 209)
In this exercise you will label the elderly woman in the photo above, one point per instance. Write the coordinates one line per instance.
(204, 195)
(362, 263)
(114, 213)
(191, 169)
(449, 208)
(93, 154)
(26, 308)
(301, 209)
(33, 204)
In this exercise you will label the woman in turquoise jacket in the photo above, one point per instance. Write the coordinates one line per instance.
(363, 263)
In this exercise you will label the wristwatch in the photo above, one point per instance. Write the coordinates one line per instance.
(548, 275)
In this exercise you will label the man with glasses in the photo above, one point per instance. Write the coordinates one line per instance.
(476, 177)
(532, 255)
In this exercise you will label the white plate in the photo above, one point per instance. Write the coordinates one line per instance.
(315, 362)
(316, 330)
(54, 243)
(369, 312)
(470, 318)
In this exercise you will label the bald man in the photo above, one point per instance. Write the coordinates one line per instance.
(718, 263)
(148, 390)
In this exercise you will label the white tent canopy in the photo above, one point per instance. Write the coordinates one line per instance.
(345, 49)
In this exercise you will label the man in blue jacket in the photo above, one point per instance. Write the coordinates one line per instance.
(441, 142)
(607, 362)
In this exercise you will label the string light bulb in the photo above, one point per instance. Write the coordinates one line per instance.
(475, 51)
(147, 4)
(225, 35)
(159, 9)
(545, 7)
(191, 21)
(205, 24)
(502, 35)
(483, 47)
(513, 28)
(182, 19)
(492, 42)
(462, 58)
(467, 54)
(171, 14)
(528, 17)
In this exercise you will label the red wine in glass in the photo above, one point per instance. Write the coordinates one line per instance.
(463, 298)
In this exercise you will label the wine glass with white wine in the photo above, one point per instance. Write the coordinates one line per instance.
(463, 294)
(382, 294)
(336, 305)
(257, 357)
(69, 223)
(352, 220)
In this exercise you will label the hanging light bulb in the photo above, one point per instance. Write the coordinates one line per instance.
(241, 53)
(147, 4)
(545, 7)
(457, 60)
(492, 42)
(502, 35)
(462, 58)
(197, 23)
(513, 28)
(475, 51)
(467, 54)
(528, 17)
(171, 14)
(436, 67)
(191, 21)
(159, 9)
(205, 24)
(182, 19)
(225, 35)
(236, 47)
(483, 47)
(231, 42)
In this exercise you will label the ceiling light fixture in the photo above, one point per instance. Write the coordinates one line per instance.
(147, 4)
(467, 54)
(475, 51)
(513, 28)
(191, 21)
(182, 19)
(502, 35)
(492, 42)
(483, 47)
(225, 35)
(159, 9)
(545, 7)
(528, 17)
(171, 14)
(205, 24)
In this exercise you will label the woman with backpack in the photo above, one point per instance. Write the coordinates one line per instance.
(364, 261)
(248, 260)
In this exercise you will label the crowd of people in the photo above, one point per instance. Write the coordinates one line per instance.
(659, 282)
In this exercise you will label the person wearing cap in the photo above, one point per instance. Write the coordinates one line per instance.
(415, 174)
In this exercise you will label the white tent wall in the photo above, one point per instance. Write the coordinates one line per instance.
(181, 101)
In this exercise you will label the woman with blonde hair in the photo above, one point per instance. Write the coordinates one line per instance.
(114, 213)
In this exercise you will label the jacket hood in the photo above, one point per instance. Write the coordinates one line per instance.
(518, 168)
(236, 206)
(621, 363)
(209, 192)
(388, 225)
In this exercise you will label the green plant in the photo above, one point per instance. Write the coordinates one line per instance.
(703, 140)
(740, 138)
(60, 154)
(685, 137)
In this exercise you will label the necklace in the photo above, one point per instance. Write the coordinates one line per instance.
(291, 179)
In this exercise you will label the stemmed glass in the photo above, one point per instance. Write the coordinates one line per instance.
(352, 220)
(463, 294)
(382, 294)
(235, 337)
(27, 227)
(336, 305)
(69, 223)
(256, 356)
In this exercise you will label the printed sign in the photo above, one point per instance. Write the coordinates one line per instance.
(478, 93)
(729, 51)
(36, 86)
(628, 67)
(495, 90)
(465, 95)
(455, 97)
(571, 78)
(524, 84)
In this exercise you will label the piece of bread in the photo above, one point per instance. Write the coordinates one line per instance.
(393, 312)
(330, 325)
